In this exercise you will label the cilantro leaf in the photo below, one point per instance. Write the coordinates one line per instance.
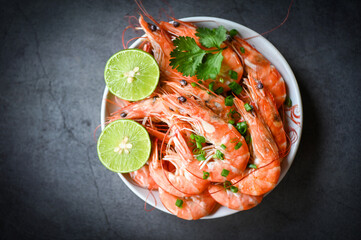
(187, 56)
(212, 37)
(211, 66)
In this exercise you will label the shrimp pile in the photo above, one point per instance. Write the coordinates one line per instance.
(205, 152)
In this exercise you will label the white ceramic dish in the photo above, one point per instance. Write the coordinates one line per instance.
(274, 56)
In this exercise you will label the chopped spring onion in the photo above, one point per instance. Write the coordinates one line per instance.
(252, 166)
(211, 86)
(227, 184)
(179, 203)
(221, 80)
(199, 139)
(228, 101)
(238, 145)
(242, 49)
(219, 155)
(194, 84)
(248, 139)
(235, 87)
(201, 157)
(192, 136)
(223, 146)
(224, 172)
(248, 107)
(233, 32)
(288, 102)
(219, 90)
(242, 127)
(231, 121)
(234, 189)
(233, 74)
(205, 175)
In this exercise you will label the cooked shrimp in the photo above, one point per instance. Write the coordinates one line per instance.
(205, 123)
(180, 183)
(264, 147)
(231, 61)
(260, 68)
(179, 28)
(142, 178)
(267, 109)
(162, 47)
(237, 201)
(266, 158)
(192, 208)
(214, 102)
(259, 181)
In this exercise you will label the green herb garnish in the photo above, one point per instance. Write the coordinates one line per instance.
(238, 145)
(288, 102)
(228, 101)
(252, 166)
(205, 175)
(179, 203)
(234, 189)
(242, 128)
(224, 172)
(248, 107)
(191, 60)
(235, 87)
(233, 74)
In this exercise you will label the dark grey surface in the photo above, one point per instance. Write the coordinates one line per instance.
(51, 69)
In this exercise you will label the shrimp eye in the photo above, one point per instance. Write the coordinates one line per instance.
(123, 114)
(176, 24)
(152, 27)
(259, 85)
(183, 82)
(182, 99)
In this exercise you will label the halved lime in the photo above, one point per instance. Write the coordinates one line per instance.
(131, 74)
(124, 146)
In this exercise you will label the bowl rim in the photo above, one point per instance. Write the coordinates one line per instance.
(290, 74)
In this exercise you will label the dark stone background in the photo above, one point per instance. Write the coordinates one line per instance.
(51, 69)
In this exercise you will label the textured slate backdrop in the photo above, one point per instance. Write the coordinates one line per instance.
(51, 70)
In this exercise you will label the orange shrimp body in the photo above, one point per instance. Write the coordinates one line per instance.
(184, 29)
(214, 102)
(179, 183)
(268, 110)
(259, 67)
(142, 178)
(264, 147)
(260, 181)
(162, 47)
(237, 201)
(193, 207)
(205, 123)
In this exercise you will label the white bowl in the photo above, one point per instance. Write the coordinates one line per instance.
(274, 56)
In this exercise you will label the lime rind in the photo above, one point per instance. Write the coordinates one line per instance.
(110, 138)
(124, 61)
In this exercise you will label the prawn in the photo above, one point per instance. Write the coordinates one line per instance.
(231, 61)
(266, 158)
(259, 67)
(143, 178)
(267, 109)
(179, 182)
(205, 122)
(192, 208)
(237, 201)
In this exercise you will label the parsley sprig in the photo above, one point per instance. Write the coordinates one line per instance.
(191, 60)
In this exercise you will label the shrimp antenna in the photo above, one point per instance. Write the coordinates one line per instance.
(145, 12)
(288, 13)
